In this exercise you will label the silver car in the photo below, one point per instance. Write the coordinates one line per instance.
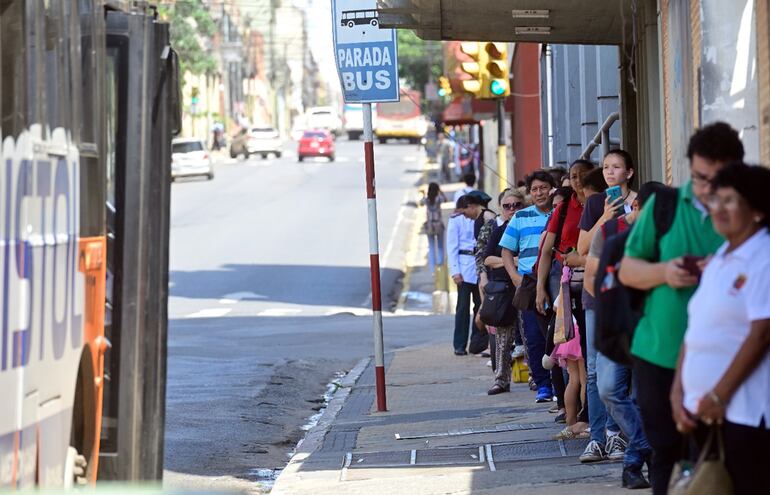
(189, 158)
(264, 141)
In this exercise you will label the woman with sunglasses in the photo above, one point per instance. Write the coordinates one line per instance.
(511, 201)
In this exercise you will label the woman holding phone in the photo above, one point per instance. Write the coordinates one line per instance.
(618, 171)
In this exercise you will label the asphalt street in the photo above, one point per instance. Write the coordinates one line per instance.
(269, 300)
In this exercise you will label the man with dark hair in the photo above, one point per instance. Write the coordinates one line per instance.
(522, 238)
(654, 263)
(470, 180)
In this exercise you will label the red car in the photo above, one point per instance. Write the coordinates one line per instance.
(316, 142)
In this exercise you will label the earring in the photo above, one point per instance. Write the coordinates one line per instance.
(757, 219)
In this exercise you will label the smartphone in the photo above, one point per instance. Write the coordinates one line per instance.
(690, 263)
(614, 193)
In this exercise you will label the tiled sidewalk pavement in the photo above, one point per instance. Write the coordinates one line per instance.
(432, 397)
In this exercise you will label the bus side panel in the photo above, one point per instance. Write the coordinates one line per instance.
(42, 305)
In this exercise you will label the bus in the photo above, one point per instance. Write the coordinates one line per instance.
(89, 103)
(353, 120)
(402, 119)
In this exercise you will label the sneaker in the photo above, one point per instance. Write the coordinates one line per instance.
(593, 453)
(519, 351)
(616, 448)
(554, 408)
(544, 394)
(489, 363)
(633, 479)
(461, 352)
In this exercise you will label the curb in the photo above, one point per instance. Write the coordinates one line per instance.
(314, 438)
(412, 243)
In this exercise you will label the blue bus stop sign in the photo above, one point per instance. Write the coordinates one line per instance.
(367, 58)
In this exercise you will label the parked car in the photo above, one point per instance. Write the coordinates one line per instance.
(189, 158)
(261, 141)
(316, 142)
(324, 118)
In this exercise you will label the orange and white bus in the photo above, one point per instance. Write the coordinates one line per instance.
(88, 105)
(402, 119)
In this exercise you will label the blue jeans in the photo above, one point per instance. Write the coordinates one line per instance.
(598, 418)
(465, 292)
(535, 349)
(435, 250)
(614, 381)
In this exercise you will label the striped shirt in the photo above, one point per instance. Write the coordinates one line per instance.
(522, 236)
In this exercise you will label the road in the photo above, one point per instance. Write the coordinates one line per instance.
(269, 299)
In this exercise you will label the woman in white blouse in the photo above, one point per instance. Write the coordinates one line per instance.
(723, 375)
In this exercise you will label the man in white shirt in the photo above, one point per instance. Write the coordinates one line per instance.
(462, 267)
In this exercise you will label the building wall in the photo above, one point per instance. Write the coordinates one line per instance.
(583, 90)
(526, 131)
(714, 69)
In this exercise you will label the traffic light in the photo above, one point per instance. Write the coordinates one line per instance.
(444, 88)
(476, 69)
(497, 84)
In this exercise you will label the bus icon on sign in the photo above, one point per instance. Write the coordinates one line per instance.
(350, 18)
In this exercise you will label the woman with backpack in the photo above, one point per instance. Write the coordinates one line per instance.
(434, 225)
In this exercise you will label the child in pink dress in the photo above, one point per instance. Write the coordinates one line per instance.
(569, 356)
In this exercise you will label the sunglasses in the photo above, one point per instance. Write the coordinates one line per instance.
(511, 206)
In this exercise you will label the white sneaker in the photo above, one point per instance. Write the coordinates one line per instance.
(616, 448)
(519, 351)
(489, 363)
(592, 453)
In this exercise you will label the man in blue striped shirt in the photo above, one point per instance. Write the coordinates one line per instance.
(522, 239)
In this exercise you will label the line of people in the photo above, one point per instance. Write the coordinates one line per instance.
(697, 334)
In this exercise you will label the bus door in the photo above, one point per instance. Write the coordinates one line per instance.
(143, 90)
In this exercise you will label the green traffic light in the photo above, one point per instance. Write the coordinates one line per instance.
(497, 87)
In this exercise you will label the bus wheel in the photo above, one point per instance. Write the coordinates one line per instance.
(351, 24)
(75, 469)
(374, 22)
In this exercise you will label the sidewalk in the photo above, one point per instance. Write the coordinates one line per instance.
(442, 434)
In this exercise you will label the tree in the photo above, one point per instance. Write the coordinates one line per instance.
(418, 61)
(190, 25)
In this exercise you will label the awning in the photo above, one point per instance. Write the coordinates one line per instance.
(587, 22)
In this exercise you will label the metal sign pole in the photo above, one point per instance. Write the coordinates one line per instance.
(374, 260)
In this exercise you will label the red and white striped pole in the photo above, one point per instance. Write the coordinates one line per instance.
(374, 261)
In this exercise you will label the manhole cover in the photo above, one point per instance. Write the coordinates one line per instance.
(452, 456)
(380, 459)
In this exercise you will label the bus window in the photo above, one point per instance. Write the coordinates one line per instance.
(109, 431)
(56, 65)
(13, 94)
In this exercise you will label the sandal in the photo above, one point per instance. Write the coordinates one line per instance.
(565, 434)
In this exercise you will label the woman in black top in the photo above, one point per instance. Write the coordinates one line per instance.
(493, 262)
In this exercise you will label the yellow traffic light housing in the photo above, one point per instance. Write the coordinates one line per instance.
(497, 83)
(476, 69)
(444, 88)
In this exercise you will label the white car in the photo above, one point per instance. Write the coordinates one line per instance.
(189, 158)
(324, 118)
(264, 141)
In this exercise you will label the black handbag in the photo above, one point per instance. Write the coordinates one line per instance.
(524, 298)
(497, 308)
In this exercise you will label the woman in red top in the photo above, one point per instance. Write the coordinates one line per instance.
(566, 225)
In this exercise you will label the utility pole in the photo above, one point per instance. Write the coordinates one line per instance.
(502, 166)
(271, 44)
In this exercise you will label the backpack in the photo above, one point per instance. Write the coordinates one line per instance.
(434, 225)
(619, 308)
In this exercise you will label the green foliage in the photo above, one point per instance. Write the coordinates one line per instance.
(418, 60)
(191, 27)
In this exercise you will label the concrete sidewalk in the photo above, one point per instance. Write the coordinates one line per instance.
(442, 434)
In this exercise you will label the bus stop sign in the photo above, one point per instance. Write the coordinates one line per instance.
(366, 55)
